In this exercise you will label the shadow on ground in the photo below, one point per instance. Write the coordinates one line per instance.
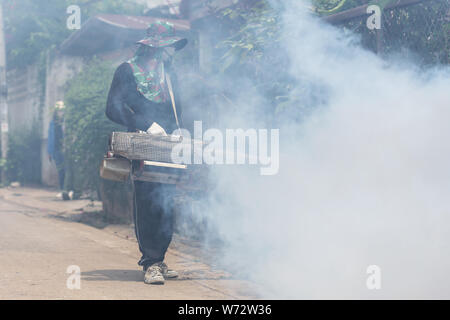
(138, 275)
(113, 275)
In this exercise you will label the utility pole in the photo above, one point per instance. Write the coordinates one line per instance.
(3, 95)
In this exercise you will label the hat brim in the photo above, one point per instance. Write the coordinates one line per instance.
(177, 42)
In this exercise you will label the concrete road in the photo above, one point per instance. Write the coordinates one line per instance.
(36, 249)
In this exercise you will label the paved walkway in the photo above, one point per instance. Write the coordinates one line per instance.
(40, 238)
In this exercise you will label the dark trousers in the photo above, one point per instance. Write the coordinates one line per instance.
(59, 162)
(61, 176)
(153, 220)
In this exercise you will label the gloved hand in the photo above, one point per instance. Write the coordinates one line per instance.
(156, 129)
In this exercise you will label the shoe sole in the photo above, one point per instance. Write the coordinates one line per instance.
(155, 281)
(158, 282)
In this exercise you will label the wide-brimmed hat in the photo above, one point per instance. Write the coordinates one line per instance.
(162, 34)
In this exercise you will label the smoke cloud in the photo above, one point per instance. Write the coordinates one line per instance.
(363, 180)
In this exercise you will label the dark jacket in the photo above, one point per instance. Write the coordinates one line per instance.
(55, 139)
(128, 107)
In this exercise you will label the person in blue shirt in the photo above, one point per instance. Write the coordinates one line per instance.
(55, 145)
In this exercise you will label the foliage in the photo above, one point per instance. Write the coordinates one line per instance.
(87, 129)
(33, 27)
(23, 162)
(259, 27)
(254, 51)
(420, 31)
(252, 47)
(328, 6)
(423, 29)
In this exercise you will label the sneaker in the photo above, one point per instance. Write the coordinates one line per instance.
(65, 195)
(154, 275)
(168, 273)
(74, 195)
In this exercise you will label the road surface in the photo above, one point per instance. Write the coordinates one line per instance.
(36, 249)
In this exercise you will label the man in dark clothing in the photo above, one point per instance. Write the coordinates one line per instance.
(139, 97)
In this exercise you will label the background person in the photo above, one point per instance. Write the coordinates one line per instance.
(55, 146)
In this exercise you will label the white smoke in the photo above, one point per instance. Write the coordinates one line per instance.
(365, 180)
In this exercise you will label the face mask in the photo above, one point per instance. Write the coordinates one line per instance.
(150, 81)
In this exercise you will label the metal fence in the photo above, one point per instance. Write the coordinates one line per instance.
(418, 28)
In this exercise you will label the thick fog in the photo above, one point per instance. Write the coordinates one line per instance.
(364, 180)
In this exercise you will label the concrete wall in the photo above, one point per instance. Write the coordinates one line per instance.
(60, 68)
(24, 97)
(27, 104)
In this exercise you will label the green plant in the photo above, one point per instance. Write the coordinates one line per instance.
(87, 128)
(259, 27)
(34, 27)
(252, 48)
(328, 6)
(254, 51)
(23, 162)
